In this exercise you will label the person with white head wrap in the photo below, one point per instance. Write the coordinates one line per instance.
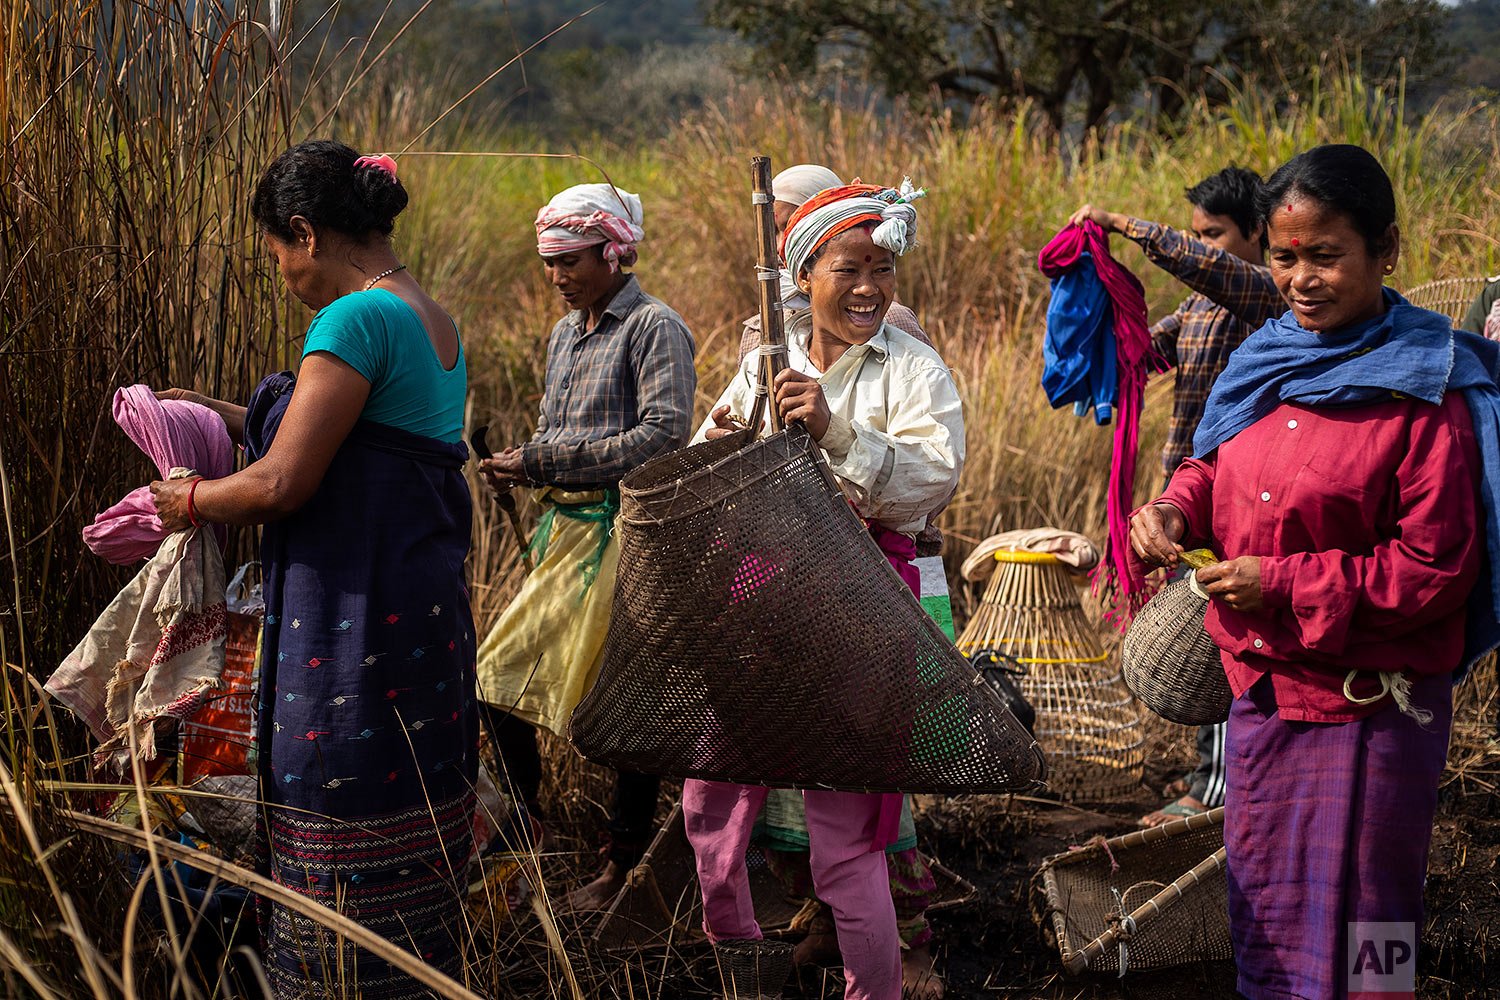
(587, 215)
(783, 827)
(795, 185)
(618, 392)
(885, 412)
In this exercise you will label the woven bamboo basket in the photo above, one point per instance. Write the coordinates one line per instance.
(754, 970)
(1147, 900)
(1171, 663)
(1088, 723)
(1449, 296)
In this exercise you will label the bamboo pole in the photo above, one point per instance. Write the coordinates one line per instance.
(1079, 961)
(768, 283)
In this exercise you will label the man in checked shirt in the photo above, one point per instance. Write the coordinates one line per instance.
(619, 391)
(1222, 263)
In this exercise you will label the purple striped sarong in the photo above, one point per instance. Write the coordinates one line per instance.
(1326, 823)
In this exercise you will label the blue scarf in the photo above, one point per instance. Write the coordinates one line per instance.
(1406, 350)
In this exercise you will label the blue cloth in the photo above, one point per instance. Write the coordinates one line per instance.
(378, 335)
(1079, 349)
(1406, 350)
(368, 722)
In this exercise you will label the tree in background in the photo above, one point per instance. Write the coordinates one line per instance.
(1081, 59)
(1475, 34)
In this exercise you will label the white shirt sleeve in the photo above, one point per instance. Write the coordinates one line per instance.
(896, 474)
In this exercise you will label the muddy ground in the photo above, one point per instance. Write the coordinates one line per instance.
(993, 947)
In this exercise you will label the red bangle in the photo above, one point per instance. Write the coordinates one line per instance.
(192, 511)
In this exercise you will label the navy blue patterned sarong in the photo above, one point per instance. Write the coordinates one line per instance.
(368, 723)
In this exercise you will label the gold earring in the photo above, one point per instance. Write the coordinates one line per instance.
(1389, 268)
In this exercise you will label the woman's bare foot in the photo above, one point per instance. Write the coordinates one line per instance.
(1176, 789)
(817, 949)
(1185, 806)
(598, 894)
(919, 978)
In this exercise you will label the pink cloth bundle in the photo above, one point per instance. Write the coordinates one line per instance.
(1118, 577)
(174, 434)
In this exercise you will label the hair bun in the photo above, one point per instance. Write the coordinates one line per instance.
(319, 180)
(382, 192)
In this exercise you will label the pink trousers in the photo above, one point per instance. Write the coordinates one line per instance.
(848, 876)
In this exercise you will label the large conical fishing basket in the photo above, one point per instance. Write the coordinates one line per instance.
(1171, 663)
(1146, 900)
(759, 635)
(1087, 722)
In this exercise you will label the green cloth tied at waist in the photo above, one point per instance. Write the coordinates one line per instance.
(598, 507)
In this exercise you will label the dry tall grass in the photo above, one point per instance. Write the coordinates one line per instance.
(131, 135)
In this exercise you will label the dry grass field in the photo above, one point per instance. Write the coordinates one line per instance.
(131, 135)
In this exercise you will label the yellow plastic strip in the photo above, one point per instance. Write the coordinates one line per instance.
(1039, 642)
(1042, 659)
(1022, 556)
(1063, 659)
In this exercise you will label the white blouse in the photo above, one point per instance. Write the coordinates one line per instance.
(896, 438)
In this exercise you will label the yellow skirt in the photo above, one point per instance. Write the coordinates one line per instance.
(544, 653)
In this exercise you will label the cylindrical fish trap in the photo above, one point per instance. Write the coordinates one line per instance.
(1087, 722)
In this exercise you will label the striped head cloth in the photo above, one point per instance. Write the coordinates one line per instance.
(840, 209)
(587, 215)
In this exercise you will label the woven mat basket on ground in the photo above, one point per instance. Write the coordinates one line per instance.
(660, 904)
(1162, 893)
(1087, 721)
(1171, 663)
(758, 635)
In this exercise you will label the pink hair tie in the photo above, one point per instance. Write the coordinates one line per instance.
(381, 162)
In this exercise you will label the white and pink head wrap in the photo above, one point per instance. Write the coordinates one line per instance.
(587, 215)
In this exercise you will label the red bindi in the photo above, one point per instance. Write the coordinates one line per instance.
(1289, 208)
(1296, 242)
(868, 258)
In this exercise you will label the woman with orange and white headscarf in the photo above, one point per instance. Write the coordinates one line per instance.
(886, 414)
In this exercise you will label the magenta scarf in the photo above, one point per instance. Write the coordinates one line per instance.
(899, 551)
(173, 434)
(1119, 578)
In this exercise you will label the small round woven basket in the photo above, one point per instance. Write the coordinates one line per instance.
(754, 970)
(1171, 663)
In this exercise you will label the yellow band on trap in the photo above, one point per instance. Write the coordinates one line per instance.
(1066, 659)
(1022, 556)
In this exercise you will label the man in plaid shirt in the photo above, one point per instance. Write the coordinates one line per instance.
(618, 392)
(1222, 263)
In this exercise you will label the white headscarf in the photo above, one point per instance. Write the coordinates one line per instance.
(586, 215)
(794, 185)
